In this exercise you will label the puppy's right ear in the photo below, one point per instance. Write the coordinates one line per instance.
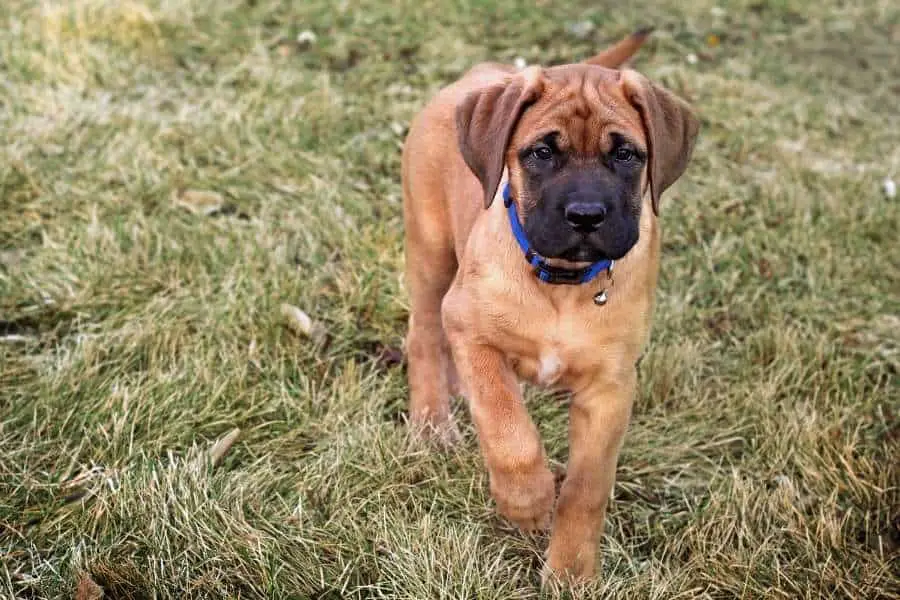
(485, 121)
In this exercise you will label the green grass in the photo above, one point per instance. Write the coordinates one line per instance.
(762, 460)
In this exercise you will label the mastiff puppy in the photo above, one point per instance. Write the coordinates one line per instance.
(531, 202)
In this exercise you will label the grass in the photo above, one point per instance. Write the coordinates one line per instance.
(762, 460)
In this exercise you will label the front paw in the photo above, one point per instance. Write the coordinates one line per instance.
(569, 563)
(525, 497)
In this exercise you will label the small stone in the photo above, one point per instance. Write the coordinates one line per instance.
(301, 323)
(691, 58)
(581, 29)
(890, 187)
(297, 320)
(306, 38)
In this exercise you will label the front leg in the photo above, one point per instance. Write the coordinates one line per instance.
(521, 483)
(598, 419)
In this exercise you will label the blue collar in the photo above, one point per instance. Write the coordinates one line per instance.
(545, 271)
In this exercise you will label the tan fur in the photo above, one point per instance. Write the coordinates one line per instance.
(474, 297)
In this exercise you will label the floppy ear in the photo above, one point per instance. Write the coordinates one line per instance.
(485, 121)
(671, 129)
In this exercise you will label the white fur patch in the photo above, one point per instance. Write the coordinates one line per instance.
(549, 369)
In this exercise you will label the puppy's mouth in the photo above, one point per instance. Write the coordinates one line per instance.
(583, 254)
(578, 252)
(564, 244)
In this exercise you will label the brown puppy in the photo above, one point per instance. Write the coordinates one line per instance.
(586, 152)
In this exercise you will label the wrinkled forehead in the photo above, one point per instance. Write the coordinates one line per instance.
(584, 105)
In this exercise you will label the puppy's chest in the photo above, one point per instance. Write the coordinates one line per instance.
(554, 359)
(559, 341)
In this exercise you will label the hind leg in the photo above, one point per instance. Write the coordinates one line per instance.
(430, 268)
(430, 364)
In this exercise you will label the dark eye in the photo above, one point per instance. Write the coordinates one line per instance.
(623, 154)
(542, 152)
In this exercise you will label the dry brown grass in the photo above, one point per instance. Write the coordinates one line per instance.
(134, 333)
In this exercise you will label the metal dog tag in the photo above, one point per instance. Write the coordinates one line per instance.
(600, 298)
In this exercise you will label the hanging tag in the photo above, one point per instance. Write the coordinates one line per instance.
(600, 298)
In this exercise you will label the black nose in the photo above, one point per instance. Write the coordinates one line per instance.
(585, 216)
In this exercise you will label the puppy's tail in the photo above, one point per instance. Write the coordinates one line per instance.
(614, 56)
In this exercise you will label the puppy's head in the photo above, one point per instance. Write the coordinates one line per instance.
(582, 143)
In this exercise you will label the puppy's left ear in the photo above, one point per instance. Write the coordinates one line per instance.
(485, 121)
(671, 129)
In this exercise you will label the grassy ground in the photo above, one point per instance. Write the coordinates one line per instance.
(173, 171)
